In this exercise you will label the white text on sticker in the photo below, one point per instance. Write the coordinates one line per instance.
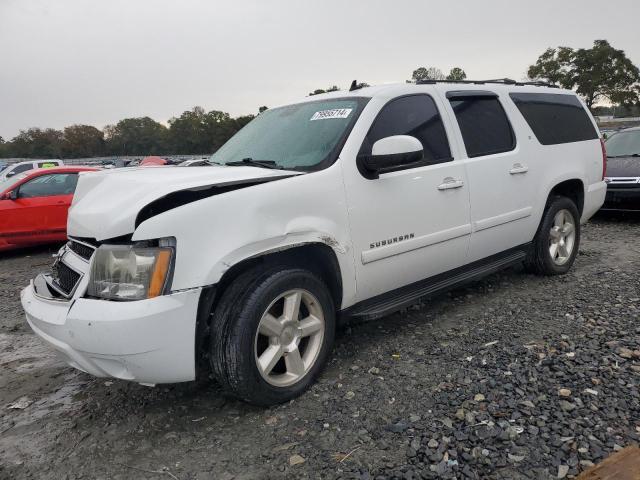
(334, 113)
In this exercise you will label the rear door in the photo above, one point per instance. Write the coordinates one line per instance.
(39, 214)
(501, 176)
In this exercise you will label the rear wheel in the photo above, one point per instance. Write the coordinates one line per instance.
(556, 243)
(272, 335)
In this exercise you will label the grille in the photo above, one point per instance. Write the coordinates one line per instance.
(623, 186)
(84, 251)
(64, 277)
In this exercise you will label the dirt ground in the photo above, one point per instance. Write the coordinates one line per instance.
(464, 386)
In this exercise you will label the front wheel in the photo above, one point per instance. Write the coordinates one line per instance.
(556, 243)
(272, 335)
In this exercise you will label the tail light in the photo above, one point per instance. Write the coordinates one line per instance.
(604, 159)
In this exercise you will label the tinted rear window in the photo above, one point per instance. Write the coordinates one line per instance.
(484, 126)
(555, 118)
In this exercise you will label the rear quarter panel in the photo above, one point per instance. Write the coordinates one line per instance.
(554, 164)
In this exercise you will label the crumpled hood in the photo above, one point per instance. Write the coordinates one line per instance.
(623, 167)
(106, 203)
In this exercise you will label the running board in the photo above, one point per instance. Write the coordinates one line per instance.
(393, 301)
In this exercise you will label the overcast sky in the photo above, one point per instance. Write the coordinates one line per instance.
(95, 62)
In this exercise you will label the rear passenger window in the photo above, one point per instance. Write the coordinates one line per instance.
(415, 115)
(23, 168)
(555, 118)
(49, 185)
(483, 123)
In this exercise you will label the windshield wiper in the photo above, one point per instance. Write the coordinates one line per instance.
(627, 155)
(256, 163)
(211, 162)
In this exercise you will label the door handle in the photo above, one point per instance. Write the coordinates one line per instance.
(449, 183)
(518, 168)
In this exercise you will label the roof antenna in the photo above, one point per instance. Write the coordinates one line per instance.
(354, 86)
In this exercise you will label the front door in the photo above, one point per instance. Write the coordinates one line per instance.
(414, 223)
(39, 214)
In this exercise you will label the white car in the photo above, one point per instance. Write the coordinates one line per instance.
(194, 162)
(346, 205)
(16, 168)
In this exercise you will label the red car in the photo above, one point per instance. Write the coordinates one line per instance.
(152, 161)
(34, 205)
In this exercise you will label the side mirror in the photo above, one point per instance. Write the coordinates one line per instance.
(11, 174)
(392, 153)
(12, 195)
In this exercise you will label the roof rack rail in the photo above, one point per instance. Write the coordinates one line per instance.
(355, 86)
(503, 81)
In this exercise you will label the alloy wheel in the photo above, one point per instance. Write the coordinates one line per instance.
(289, 337)
(562, 237)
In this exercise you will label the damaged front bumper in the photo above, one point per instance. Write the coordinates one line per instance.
(146, 341)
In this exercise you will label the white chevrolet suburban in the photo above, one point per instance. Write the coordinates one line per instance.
(346, 205)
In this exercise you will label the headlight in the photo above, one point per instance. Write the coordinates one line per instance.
(129, 272)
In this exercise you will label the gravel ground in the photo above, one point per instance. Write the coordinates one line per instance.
(514, 377)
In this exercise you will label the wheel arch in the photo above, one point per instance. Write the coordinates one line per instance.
(316, 257)
(572, 188)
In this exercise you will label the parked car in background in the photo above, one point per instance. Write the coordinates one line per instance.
(152, 161)
(115, 163)
(34, 204)
(16, 168)
(193, 163)
(352, 204)
(3, 165)
(623, 171)
(606, 133)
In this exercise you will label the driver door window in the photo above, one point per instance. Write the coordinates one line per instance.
(414, 115)
(49, 185)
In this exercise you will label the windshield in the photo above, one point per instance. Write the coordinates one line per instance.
(623, 144)
(305, 136)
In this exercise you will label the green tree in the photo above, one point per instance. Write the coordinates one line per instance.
(187, 133)
(37, 143)
(197, 131)
(597, 73)
(457, 74)
(219, 127)
(82, 141)
(424, 73)
(333, 88)
(136, 136)
(553, 66)
(602, 72)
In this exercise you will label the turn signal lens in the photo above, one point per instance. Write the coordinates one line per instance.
(160, 272)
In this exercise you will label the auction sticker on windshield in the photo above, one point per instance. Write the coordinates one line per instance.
(333, 113)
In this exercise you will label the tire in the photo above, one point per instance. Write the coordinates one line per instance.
(244, 337)
(543, 258)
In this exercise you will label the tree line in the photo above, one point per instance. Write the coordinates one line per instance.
(600, 74)
(195, 131)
